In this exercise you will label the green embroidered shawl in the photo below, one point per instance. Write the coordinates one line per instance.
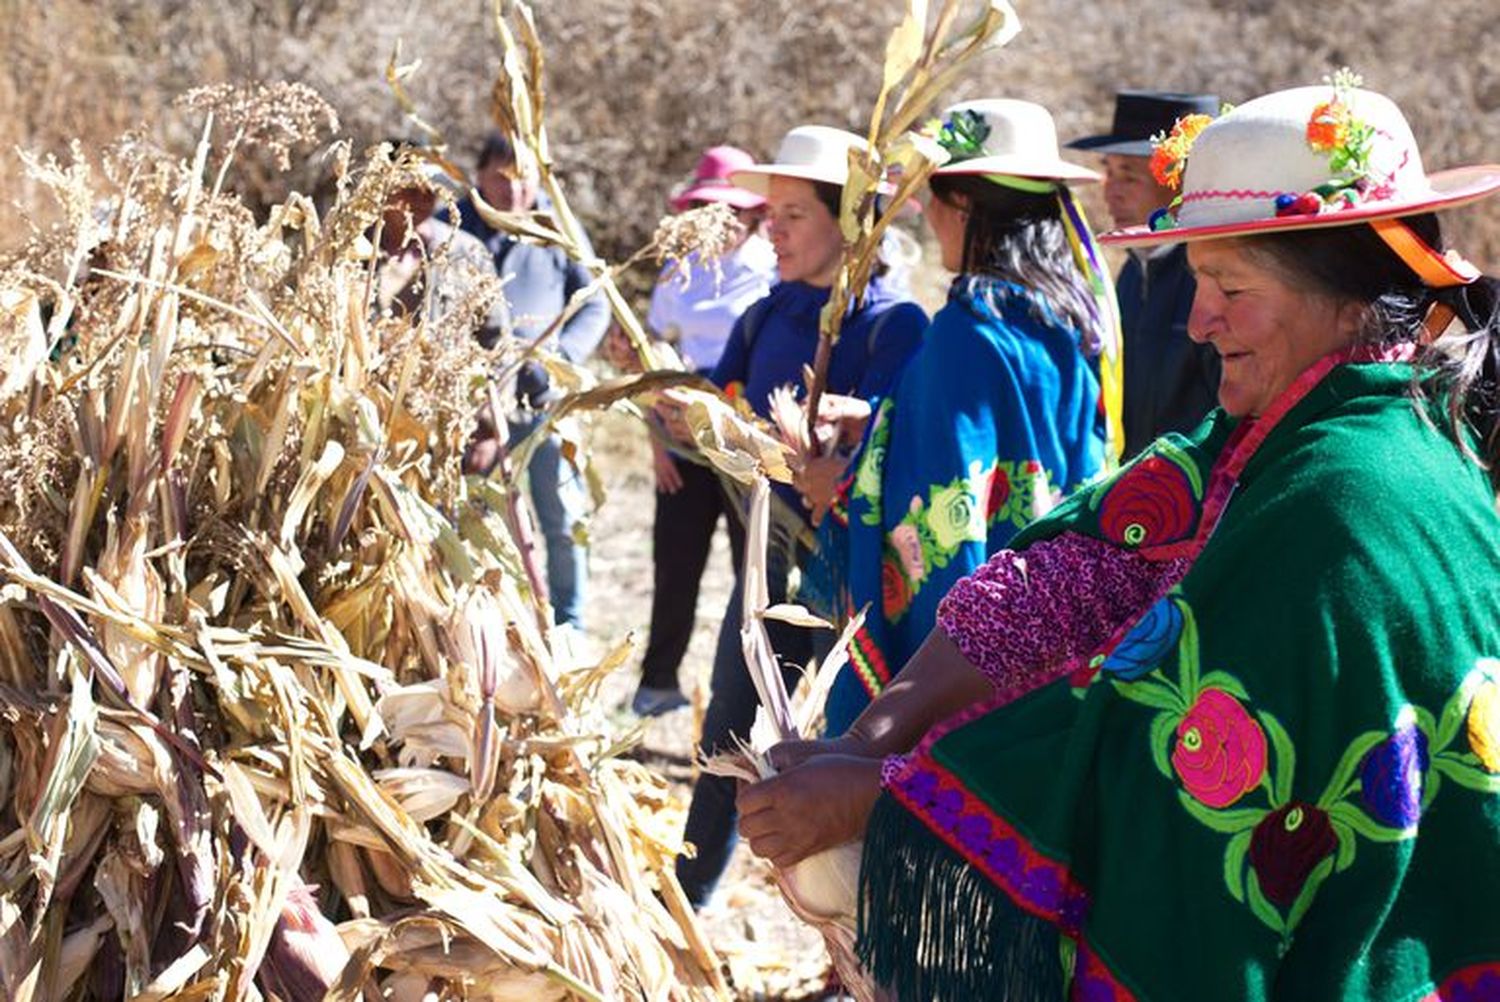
(1283, 783)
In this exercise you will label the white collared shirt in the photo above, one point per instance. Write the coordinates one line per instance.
(700, 312)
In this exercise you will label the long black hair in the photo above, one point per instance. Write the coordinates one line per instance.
(1019, 236)
(1459, 369)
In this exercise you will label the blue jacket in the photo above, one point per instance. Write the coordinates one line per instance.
(1170, 383)
(778, 335)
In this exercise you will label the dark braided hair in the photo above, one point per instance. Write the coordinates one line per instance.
(1461, 369)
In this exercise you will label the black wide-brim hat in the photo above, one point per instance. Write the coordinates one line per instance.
(1141, 114)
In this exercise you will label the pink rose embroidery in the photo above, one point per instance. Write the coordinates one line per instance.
(908, 546)
(1221, 752)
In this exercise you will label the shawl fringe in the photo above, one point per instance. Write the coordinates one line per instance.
(931, 927)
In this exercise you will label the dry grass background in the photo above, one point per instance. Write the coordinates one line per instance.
(638, 87)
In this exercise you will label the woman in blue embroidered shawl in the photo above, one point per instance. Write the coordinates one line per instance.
(1225, 725)
(997, 415)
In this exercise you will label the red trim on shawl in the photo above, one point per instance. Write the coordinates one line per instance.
(1458, 986)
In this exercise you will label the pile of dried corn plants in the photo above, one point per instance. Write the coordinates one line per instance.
(267, 658)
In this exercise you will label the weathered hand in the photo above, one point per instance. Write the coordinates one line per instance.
(818, 481)
(668, 477)
(789, 754)
(822, 803)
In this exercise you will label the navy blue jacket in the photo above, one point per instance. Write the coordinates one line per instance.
(778, 335)
(1170, 382)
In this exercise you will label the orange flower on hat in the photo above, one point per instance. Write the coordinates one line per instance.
(1170, 152)
(1328, 128)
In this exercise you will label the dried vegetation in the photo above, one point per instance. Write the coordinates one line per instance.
(258, 634)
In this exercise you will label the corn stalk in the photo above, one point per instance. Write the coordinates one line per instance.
(921, 62)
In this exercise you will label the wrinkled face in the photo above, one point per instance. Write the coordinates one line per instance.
(1130, 191)
(498, 186)
(948, 220)
(1266, 331)
(805, 234)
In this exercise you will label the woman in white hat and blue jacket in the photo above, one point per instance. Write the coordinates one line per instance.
(769, 347)
(1225, 725)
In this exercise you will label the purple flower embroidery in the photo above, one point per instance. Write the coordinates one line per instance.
(1394, 776)
(1475, 984)
(973, 833)
(1147, 643)
(920, 787)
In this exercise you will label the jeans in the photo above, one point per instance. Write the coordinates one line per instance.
(560, 495)
(681, 537)
(712, 816)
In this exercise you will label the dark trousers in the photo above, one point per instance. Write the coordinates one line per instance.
(681, 537)
(712, 816)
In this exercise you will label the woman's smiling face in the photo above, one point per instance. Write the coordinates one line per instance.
(1267, 331)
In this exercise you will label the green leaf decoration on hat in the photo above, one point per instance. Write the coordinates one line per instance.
(963, 135)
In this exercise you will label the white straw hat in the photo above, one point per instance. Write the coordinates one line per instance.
(809, 152)
(1005, 136)
(1311, 157)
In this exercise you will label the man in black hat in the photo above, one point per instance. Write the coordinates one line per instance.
(1170, 382)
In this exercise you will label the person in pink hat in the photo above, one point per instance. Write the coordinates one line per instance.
(694, 306)
(1226, 724)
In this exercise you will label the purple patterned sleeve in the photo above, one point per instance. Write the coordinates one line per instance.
(1026, 618)
(890, 766)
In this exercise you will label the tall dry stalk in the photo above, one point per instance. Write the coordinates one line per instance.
(922, 61)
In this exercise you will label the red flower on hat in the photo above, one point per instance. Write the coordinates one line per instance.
(1328, 128)
(1170, 152)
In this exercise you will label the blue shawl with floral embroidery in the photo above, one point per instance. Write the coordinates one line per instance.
(1283, 783)
(994, 419)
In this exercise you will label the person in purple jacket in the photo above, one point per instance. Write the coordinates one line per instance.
(768, 348)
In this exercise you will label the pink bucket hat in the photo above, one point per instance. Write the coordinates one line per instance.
(711, 181)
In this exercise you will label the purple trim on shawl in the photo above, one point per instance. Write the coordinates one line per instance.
(1093, 981)
(1038, 885)
(1061, 601)
(1476, 983)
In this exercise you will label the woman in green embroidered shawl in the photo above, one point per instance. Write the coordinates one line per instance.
(1225, 725)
